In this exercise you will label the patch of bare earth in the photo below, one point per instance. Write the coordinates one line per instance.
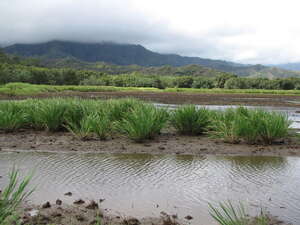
(166, 143)
(179, 97)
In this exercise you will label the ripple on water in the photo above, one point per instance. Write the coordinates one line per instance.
(138, 184)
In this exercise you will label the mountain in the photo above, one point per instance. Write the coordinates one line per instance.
(289, 66)
(128, 54)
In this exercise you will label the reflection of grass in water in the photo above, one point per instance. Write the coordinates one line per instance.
(259, 163)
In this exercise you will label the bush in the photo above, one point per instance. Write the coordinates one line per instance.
(183, 82)
(201, 82)
(143, 122)
(236, 83)
(190, 120)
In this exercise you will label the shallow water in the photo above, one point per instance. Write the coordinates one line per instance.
(144, 185)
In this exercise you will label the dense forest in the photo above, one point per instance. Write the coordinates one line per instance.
(29, 70)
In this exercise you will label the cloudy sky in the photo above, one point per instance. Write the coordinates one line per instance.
(247, 31)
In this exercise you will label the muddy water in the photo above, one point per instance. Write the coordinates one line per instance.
(144, 185)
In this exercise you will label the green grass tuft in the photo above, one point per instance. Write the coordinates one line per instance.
(190, 121)
(143, 122)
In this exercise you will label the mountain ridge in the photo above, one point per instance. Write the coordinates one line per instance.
(132, 54)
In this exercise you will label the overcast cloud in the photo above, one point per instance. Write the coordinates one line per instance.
(248, 31)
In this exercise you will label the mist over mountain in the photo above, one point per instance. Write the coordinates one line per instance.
(130, 54)
(289, 66)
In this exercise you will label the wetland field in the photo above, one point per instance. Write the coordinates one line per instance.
(153, 157)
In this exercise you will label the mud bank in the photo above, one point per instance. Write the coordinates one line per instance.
(179, 97)
(89, 214)
(166, 143)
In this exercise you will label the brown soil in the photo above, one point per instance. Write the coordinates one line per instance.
(166, 143)
(181, 98)
(83, 215)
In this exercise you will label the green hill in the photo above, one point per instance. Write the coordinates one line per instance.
(128, 58)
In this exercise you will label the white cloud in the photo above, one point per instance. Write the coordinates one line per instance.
(250, 31)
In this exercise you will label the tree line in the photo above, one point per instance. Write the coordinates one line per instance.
(11, 70)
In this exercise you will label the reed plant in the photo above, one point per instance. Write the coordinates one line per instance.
(253, 126)
(12, 196)
(143, 122)
(227, 214)
(189, 120)
(226, 126)
(101, 125)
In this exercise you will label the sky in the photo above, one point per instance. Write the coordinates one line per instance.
(245, 31)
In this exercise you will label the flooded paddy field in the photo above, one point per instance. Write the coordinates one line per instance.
(143, 185)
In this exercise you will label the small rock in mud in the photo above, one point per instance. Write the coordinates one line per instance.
(68, 194)
(174, 216)
(147, 145)
(58, 202)
(46, 205)
(56, 214)
(101, 200)
(80, 218)
(92, 205)
(161, 148)
(188, 217)
(79, 202)
(131, 221)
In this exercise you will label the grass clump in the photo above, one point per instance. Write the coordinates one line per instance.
(143, 122)
(12, 116)
(12, 196)
(227, 214)
(190, 121)
(253, 126)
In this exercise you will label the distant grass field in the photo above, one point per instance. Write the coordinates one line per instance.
(23, 89)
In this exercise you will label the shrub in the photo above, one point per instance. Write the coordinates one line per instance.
(183, 82)
(201, 82)
(236, 83)
(190, 120)
(143, 122)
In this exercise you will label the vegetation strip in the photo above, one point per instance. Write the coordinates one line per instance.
(141, 121)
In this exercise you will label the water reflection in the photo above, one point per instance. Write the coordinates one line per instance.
(135, 184)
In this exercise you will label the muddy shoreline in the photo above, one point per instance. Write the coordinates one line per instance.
(90, 214)
(178, 97)
(166, 143)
